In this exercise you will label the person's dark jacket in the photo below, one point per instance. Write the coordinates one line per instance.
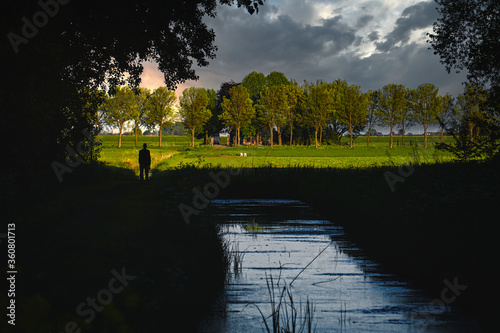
(144, 158)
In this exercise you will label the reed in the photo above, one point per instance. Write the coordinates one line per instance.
(237, 259)
(286, 315)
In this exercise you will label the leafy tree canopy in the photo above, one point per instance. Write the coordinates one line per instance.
(238, 110)
(255, 84)
(276, 79)
(467, 36)
(57, 53)
(159, 109)
(193, 109)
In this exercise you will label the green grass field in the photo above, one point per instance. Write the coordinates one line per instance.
(176, 152)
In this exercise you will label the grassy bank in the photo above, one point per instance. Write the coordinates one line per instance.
(439, 224)
(101, 223)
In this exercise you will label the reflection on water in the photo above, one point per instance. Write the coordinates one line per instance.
(286, 240)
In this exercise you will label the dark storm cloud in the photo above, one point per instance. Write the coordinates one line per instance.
(304, 47)
(410, 65)
(278, 40)
(373, 36)
(418, 16)
(363, 21)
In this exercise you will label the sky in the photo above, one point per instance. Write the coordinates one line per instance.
(369, 43)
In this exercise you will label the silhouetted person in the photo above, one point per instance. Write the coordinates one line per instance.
(144, 161)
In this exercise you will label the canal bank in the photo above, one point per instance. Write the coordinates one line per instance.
(306, 258)
(436, 227)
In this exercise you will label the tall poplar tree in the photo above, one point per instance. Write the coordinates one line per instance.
(141, 95)
(119, 109)
(193, 109)
(426, 106)
(371, 119)
(273, 109)
(317, 106)
(351, 106)
(238, 110)
(212, 125)
(294, 96)
(392, 102)
(446, 116)
(471, 107)
(159, 109)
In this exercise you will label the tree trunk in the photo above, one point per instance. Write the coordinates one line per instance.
(390, 146)
(291, 133)
(368, 139)
(316, 138)
(403, 137)
(257, 138)
(120, 127)
(135, 130)
(238, 137)
(425, 136)
(192, 137)
(442, 135)
(279, 137)
(271, 131)
(350, 132)
(320, 135)
(161, 125)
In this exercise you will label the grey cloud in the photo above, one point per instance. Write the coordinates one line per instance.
(420, 15)
(300, 10)
(410, 65)
(363, 21)
(268, 42)
(281, 41)
(373, 36)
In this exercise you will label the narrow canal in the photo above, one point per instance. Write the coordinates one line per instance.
(310, 259)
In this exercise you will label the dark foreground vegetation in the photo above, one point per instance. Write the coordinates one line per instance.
(438, 224)
(71, 236)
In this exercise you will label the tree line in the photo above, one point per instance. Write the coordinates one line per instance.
(273, 107)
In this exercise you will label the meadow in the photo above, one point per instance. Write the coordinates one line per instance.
(176, 152)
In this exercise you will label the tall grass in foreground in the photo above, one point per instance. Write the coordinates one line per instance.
(286, 316)
(234, 259)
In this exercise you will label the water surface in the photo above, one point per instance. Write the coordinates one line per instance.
(285, 239)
